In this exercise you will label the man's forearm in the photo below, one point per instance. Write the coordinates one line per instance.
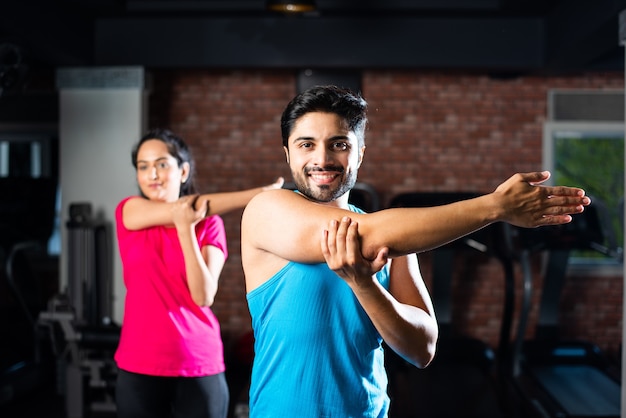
(413, 230)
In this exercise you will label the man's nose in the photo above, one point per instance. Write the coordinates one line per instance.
(322, 157)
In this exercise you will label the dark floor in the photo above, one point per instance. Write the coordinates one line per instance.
(44, 403)
(30, 391)
(414, 394)
(41, 403)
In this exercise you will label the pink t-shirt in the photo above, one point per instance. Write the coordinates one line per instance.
(164, 333)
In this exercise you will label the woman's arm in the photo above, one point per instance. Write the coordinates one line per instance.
(203, 266)
(140, 213)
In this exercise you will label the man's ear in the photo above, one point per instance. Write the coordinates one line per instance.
(286, 153)
(361, 155)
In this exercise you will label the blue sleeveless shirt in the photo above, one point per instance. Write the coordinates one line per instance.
(317, 353)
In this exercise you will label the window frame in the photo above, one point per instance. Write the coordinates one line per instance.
(581, 266)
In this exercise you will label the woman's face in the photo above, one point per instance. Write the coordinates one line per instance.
(158, 175)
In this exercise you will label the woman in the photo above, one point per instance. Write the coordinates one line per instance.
(173, 247)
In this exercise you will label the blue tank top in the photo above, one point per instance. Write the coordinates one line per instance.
(317, 353)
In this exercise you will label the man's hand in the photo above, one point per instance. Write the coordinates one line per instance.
(342, 250)
(524, 202)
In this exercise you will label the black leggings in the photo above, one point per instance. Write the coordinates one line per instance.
(139, 395)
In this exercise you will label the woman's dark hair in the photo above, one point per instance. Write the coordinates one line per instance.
(177, 148)
(349, 106)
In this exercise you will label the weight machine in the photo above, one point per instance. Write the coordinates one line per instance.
(84, 337)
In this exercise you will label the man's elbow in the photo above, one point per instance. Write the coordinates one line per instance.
(424, 353)
(427, 355)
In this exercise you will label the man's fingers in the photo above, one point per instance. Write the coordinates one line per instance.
(324, 243)
(342, 233)
(352, 241)
(564, 191)
(554, 220)
(534, 178)
(566, 204)
(329, 244)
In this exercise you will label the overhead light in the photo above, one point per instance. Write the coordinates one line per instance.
(293, 6)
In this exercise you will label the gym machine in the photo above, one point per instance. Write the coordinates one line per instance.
(555, 377)
(462, 379)
(79, 323)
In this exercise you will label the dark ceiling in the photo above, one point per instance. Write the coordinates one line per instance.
(500, 36)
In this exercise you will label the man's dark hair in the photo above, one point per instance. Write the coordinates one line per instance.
(349, 106)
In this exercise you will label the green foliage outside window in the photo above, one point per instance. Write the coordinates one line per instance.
(595, 163)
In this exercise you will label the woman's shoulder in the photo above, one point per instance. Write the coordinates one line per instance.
(120, 207)
(126, 199)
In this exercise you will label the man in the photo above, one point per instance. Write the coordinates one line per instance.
(326, 283)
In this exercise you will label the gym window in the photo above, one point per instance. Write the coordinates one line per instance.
(583, 145)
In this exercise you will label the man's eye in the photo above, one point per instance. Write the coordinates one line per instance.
(341, 146)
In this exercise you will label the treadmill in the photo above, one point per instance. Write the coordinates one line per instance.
(461, 381)
(554, 377)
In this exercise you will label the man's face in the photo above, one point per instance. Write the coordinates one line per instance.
(324, 156)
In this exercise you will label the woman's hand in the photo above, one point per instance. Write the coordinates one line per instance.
(276, 185)
(184, 212)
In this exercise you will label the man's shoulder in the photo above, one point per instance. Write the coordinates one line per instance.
(263, 201)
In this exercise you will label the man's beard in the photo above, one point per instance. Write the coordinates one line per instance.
(324, 193)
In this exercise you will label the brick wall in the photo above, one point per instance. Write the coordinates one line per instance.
(429, 131)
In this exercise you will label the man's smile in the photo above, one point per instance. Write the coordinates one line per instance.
(323, 177)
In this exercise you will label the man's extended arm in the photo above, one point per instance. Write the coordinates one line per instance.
(288, 225)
